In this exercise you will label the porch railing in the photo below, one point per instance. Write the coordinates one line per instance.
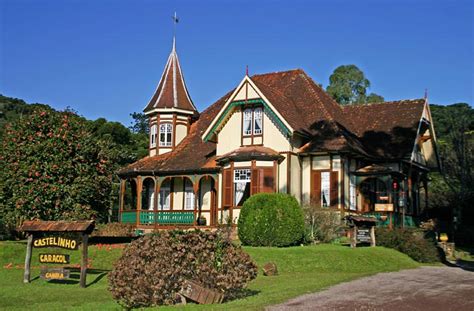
(158, 217)
(383, 219)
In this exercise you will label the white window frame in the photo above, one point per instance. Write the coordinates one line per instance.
(153, 131)
(167, 130)
(242, 177)
(247, 124)
(326, 188)
(164, 198)
(257, 116)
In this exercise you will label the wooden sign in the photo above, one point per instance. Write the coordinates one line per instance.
(54, 273)
(363, 235)
(55, 242)
(54, 258)
(200, 294)
(384, 207)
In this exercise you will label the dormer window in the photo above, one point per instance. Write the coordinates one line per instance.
(166, 130)
(153, 131)
(252, 122)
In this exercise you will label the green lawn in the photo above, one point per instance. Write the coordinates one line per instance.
(302, 270)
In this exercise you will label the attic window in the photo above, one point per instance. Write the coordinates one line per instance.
(252, 121)
(166, 131)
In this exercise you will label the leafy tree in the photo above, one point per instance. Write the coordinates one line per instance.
(348, 85)
(454, 125)
(54, 168)
(140, 123)
(374, 98)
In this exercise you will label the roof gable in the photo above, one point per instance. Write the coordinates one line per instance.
(247, 92)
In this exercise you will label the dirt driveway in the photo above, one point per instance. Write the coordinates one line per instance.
(426, 288)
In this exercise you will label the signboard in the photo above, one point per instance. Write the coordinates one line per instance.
(54, 258)
(198, 293)
(55, 241)
(384, 207)
(54, 273)
(363, 235)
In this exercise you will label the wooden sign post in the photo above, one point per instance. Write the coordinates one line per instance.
(362, 230)
(36, 227)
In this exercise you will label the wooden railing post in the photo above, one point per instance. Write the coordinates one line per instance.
(155, 204)
(123, 184)
(139, 199)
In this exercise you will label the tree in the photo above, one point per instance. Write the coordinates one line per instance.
(454, 126)
(140, 123)
(53, 168)
(348, 85)
(374, 98)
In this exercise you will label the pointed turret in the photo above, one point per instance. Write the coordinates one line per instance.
(171, 91)
(171, 110)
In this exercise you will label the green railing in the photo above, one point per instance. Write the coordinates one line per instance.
(159, 217)
(128, 217)
(383, 219)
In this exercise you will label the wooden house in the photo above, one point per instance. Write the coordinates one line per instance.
(276, 132)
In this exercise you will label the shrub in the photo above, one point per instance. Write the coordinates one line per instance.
(271, 219)
(114, 229)
(412, 242)
(153, 268)
(322, 224)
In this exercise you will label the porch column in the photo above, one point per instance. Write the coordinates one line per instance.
(196, 201)
(139, 199)
(155, 201)
(123, 183)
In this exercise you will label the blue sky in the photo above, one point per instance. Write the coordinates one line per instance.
(103, 58)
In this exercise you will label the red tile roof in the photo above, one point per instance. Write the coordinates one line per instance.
(385, 130)
(249, 153)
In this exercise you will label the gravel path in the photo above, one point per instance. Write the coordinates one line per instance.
(426, 288)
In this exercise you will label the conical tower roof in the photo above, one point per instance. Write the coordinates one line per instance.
(171, 91)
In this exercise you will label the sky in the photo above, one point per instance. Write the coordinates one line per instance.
(104, 58)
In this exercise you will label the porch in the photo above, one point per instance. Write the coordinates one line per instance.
(392, 197)
(174, 201)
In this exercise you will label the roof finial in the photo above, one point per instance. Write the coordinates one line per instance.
(175, 21)
(247, 70)
(426, 93)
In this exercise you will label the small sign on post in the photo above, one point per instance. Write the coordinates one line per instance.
(362, 229)
(36, 228)
(54, 273)
(54, 258)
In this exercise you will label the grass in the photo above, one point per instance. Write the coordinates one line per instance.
(302, 270)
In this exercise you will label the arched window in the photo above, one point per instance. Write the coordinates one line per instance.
(166, 130)
(148, 194)
(247, 128)
(153, 130)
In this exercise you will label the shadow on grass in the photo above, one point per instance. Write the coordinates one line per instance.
(75, 275)
(243, 293)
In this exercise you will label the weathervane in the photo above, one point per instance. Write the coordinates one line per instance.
(175, 21)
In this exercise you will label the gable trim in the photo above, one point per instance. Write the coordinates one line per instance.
(233, 104)
(225, 109)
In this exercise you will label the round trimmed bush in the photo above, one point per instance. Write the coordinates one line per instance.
(153, 268)
(271, 219)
